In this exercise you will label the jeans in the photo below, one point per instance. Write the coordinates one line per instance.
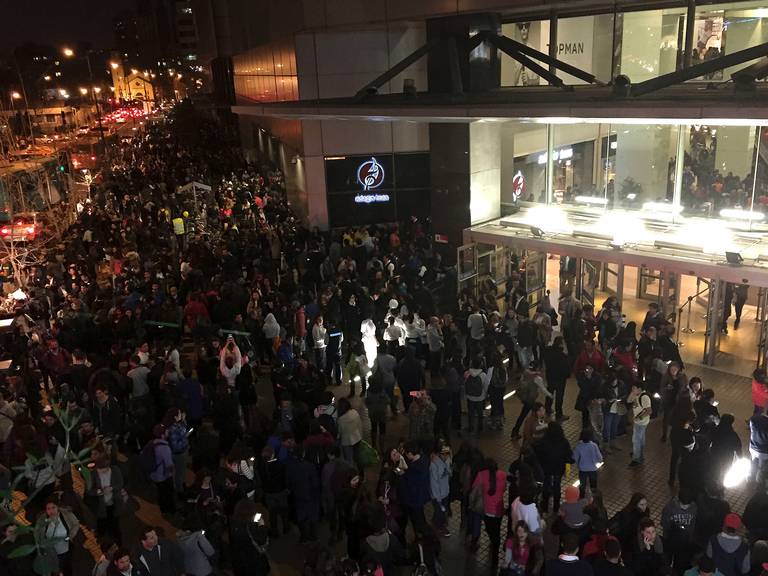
(638, 441)
(493, 527)
(610, 426)
(165, 496)
(456, 410)
(584, 477)
(475, 411)
(320, 359)
(521, 418)
(349, 453)
(551, 489)
(179, 470)
(524, 356)
(440, 518)
(557, 389)
(596, 419)
(378, 430)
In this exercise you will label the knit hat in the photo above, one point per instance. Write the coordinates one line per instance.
(571, 494)
(732, 521)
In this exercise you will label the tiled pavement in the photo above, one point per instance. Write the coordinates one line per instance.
(616, 480)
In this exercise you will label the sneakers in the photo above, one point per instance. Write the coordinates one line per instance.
(634, 463)
(563, 418)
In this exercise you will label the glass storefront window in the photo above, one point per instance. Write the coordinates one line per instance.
(603, 166)
(534, 34)
(523, 164)
(727, 28)
(587, 43)
(719, 172)
(650, 43)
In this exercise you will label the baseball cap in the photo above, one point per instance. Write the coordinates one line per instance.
(732, 521)
(571, 494)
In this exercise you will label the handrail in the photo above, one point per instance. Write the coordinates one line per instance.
(688, 329)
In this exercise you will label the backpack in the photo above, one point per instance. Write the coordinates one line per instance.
(499, 378)
(148, 459)
(474, 386)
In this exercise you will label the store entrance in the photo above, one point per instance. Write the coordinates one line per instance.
(695, 306)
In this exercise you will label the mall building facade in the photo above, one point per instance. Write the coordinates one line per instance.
(628, 134)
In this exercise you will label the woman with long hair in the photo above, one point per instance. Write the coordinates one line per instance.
(626, 521)
(492, 483)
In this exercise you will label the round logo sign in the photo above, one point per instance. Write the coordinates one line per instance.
(518, 184)
(370, 174)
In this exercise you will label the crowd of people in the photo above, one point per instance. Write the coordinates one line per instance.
(138, 352)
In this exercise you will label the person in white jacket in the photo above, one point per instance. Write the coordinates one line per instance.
(320, 341)
(476, 384)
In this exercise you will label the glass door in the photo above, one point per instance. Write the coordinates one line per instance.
(714, 321)
(649, 284)
(589, 281)
(535, 277)
(466, 259)
(762, 318)
(670, 289)
(612, 280)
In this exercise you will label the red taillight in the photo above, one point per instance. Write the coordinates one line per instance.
(4, 231)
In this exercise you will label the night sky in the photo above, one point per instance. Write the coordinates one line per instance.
(60, 22)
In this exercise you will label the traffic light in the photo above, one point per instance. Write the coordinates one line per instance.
(63, 164)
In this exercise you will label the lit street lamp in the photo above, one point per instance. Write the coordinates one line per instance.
(69, 53)
(14, 96)
(83, 91)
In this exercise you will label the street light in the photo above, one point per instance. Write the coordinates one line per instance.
(97, 89)
(69, 53)
(15, 95)
(47, 78)
(62, 92)
(114, 65)
(83, 91)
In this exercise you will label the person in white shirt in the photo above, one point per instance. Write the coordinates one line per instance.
(230, 361)
(393, 334)
(320, 340)
(476, 325)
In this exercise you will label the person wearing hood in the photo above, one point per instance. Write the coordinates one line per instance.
(197, 551)
(382, 548)
(729, 550)
(476, 384)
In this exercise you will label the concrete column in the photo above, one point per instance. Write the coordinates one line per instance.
(449, 146)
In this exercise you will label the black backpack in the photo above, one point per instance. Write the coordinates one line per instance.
(474, 386)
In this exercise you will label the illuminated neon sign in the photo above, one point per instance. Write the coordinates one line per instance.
(370, 175)
(370, 198)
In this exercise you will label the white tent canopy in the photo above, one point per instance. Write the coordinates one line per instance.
(194, 187)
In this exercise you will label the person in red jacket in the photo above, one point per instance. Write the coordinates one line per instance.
(759, 390)
(589, 355)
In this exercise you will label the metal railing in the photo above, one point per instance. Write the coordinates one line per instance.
(689, 304)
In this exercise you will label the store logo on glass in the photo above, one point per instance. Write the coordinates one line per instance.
(370, 175)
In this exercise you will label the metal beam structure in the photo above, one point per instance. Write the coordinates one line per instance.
(547, 59)
(397, 68)
(508, 47)
(708, 67)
